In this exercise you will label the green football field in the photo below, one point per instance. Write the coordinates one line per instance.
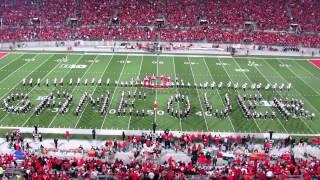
(304, 76)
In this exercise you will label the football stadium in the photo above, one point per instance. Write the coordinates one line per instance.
(159, 89)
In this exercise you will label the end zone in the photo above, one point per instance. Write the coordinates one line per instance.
(315, 62)
(2, 55)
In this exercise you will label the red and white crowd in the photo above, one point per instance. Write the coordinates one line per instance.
(27, 20)
(208, 156)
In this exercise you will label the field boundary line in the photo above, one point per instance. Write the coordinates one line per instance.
(194, 81)
(295, 91)
(136, 88)
(12, 61)
(94, 90)
(234, 130)
(114, 92)
(75, 87)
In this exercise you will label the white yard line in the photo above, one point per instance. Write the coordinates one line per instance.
(75, 87)
(114, 92)
(13, 60)
(20, 82)
(51, 71)
(18, 70)
(234, 130)
(155, 114)
(266, 62)
(254, 120)
(79, 118)
(135, 90)
(278, 93)
(258, 92)
(194, 80)
(175, 77)
(26, 75)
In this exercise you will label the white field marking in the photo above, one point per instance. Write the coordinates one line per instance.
(194, 80)
(17, 70)
(218, 93)
(155, 114)
(157, 75)
(307, 70)
(73, 66)
(79, 118)
(254, 120)
(168, 54)
(284, 65)
(124, 62)
(302, 80)
(175, 77)
(242, 70)
(266, 62)
(14, 60)
(20, 82)
(114, 92)
(74, 88)
(259, 93)
(277, 92)
(136, 89)
(51, 71)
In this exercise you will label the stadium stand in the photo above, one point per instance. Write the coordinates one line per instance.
(205, 154)
(271, 22)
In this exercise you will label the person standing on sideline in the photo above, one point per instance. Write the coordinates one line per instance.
(67, 135)
(40, 137)
(55, 143)
(36, 129)
(123, 136)
(154, 127)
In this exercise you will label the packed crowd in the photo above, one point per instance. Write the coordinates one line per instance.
(240, 155)
(127, 20)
